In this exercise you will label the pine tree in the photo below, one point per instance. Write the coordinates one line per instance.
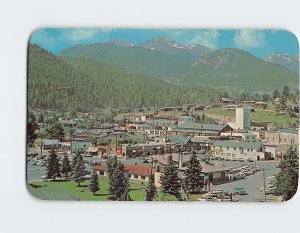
(170, 180)
(56, 131)
(73, 163)
(285, 93)
(118, 181)
(276, 94)
(41, 118)
(31, 128)
(150, 190)
(78, 174)
(287, 178)
(193, 180)
(94, 185)
(121, 183)
(52, 166)
(65, 166)
(112, 164)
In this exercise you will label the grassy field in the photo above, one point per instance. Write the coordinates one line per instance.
(270, 116)
(262, 115)
(68, 190)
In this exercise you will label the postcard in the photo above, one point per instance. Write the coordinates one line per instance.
(163, 115)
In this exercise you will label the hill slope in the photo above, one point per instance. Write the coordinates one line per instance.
(240, 69)
(83, 84)
(290, 62)
(134, 59)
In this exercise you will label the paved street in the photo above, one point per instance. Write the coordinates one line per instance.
(253, 183)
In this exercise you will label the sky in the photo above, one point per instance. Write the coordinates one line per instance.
(258, 42)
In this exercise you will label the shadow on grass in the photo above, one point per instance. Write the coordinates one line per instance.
(36, 186)
(100, 194)
(133, 189)
(82, 186)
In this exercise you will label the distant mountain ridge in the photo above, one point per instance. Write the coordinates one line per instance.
(133, 58)
(238, 68)
(290, 62)
(164, 58)
(169, 46)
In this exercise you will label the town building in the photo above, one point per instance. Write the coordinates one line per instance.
(134, 172)
(242, 118)
(185, 119)
(196, 129)
(240, 135)
(212, 174)
(285, 137)
(233, 150)
(47, 144)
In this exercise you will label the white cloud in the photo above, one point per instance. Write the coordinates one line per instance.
(208, 38)
(77, 35)
(42, 38)
(249, 38)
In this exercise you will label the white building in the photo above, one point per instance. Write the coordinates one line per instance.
(231, 150)
(242, 118)
(243, 136)
(185, 119)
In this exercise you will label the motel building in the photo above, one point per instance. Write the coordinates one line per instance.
(134, 172)
(211, 174)
(235, 150)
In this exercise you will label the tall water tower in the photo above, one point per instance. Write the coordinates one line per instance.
(242, 118)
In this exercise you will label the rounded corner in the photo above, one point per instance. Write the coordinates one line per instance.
(34, 195)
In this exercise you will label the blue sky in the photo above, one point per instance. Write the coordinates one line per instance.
(258, 42)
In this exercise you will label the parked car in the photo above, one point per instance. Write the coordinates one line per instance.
(240, 191)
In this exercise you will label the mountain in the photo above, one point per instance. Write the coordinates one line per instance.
(290, 62)
(134, 59)
(82, 83)
(122, 43)
(169, 46)
(239, 69)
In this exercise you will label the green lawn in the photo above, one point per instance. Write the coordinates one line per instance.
(262, 115)
(67, 190)
(270, 116)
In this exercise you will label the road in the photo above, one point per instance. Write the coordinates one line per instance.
(253, 183)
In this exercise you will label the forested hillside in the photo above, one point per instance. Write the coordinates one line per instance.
(239, 69)
(134, 59)
(84, 83)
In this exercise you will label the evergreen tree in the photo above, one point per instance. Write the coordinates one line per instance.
(112, 164)
(276, 94)
(94, 185)
(170, 180)
(203, 118)
(150, 190)
(118, 181)
(41, 118)
(285, 92)
(78, 174)
(193, 181)
(287, 178)
(265, 97)
(56, 131)
(73, 163)
(52, 166)
(31, 128)
(65, 166)
(121, 183)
